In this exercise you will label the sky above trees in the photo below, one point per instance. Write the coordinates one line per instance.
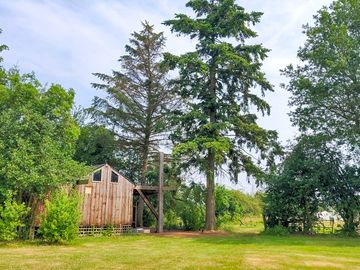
(65, 41)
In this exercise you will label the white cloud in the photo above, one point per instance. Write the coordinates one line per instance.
(65, 41)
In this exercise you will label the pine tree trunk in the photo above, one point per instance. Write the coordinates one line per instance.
(210, 175)
(210, 192)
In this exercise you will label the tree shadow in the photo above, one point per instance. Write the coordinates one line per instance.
(273, 240)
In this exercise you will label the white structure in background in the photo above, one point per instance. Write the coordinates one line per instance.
(328, 216)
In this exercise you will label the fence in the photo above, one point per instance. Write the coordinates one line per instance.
(122, 229)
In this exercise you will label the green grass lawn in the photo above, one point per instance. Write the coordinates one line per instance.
(241, 250)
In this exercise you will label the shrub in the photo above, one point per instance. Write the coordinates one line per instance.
(192, 216)
(171, 219)
(233, 205)
(11, 218)
(190, 206)
(60, 221)
(277, 230)
(186, 209)
(108, 231)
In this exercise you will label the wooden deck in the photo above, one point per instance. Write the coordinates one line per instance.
(150, 189)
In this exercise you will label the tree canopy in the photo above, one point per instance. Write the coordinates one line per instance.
(96, 145)
(37, 137)
(325, 99)
(294, 194)
(138, 98)
(325, 86)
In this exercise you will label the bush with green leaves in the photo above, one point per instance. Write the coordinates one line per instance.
(315, 175)
(12, 214)
(296, 193)
(277, 230)
(60, 221)
(186, 209)
(190, 206)
(38, 136)
(232, 205)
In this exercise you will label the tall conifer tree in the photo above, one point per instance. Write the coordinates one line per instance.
(138, 98)
(217, 124)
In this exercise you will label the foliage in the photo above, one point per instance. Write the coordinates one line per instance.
(325, 86)
(37, 137)
(138, 100)
(294, 196)
(108, 231)
(343, 196)
(96, 145)
(312, 176)
(171, 219)
(138, 97)
(60, 221)
(233, 205)
(11, 217)
(2, 48)
(278, 230)
(187, 210)
(216, 123)
(190, 206)
(325, 96)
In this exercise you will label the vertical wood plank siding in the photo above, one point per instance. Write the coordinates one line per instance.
(109, 203)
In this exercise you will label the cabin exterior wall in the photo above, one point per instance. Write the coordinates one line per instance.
(106, 202)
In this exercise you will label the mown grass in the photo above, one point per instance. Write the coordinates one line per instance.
(241, 250)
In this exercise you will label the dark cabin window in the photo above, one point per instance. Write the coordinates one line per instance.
(114, 177)
(97, 176)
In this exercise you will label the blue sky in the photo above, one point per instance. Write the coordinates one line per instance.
(65, 41)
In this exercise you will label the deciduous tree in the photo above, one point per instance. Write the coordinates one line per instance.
(314, 175)
(37, 138)
(325, 86)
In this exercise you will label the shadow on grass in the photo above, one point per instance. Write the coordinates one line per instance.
(217, 238)
(288, 240)
(36, 242)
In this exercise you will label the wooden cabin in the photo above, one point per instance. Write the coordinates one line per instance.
(107, 198)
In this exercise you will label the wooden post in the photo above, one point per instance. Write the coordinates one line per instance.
(136, 222)
(148, 203)
(161, 195)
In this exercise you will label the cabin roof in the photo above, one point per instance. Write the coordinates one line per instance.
(96, 167)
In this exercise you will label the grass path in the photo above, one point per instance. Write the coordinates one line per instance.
(187, 251)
